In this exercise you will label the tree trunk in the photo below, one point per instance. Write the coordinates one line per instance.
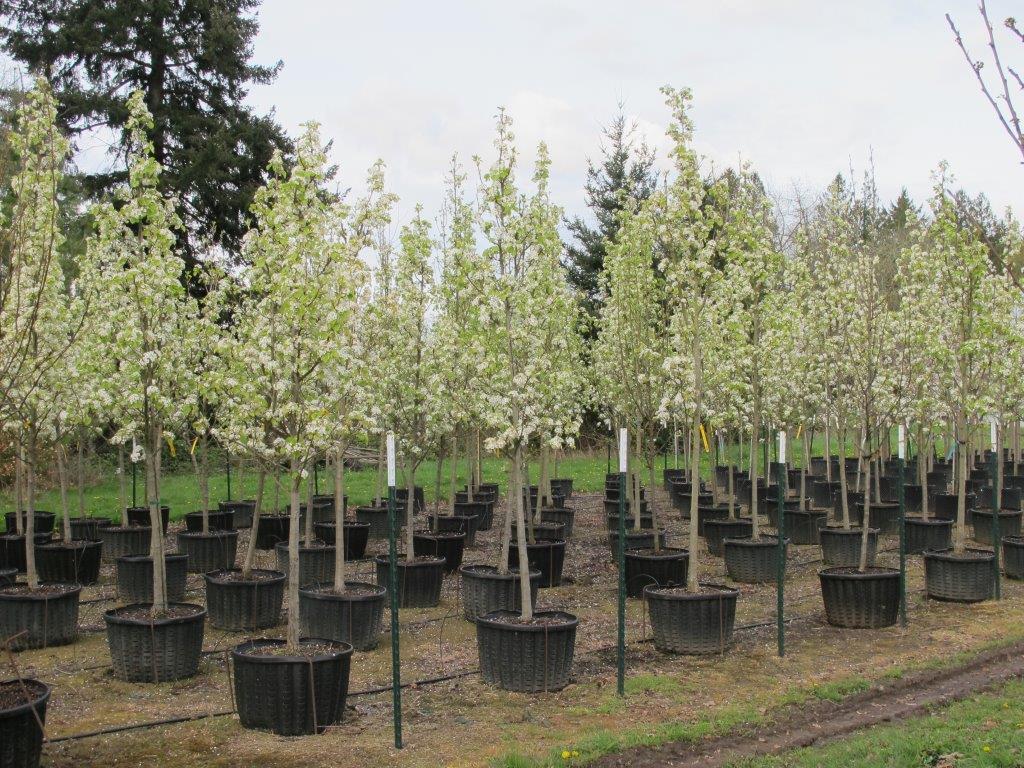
(651, 460)
(156, 548)
(524, 562)
(293, 553)
(122, 481)
(514, 492)
(410, 508)
(19, 487)
(62, 479)
(529, 499)
(962, 446)
(866, 522)
(250, 551)
(32, 575)
(81, 477)
(379, 481)
(844, 499)
(691, 579)
(453, 473)
(310, 492)
(339, 520)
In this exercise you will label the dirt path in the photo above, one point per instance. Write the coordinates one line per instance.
(825, 721)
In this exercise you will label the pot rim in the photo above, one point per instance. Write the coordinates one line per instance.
(948, 556)
(656, 591)
(666, 553)
(239, 651)
(881, 572)
(419, 561)
(329, 596)
(42, 698)
(477, 569)
(172, 556)
(69, 590)
(767, 539)
(112, 616)
(569, 621)
(212, 576)
(217, 534)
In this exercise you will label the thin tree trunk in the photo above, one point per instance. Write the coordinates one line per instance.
(81, 477)
(379, 481)
(514, 491)
(250, 551)
(19, 488)
(32, 575)
(62, 479)
(866, 522)
(844, 499)
(453, 473)
(122, 480)
(410, 508)
(651, 460)
(960, 533)
(293, 553)
(310, 492)
(524, 568)
(339, 520)
(691, 578)
(156, 549)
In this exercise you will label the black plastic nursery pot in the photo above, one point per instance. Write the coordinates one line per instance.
(12, 549)
(885, 517)
(271, 530)
(451, 545)
(932, 533)
(612, 521)
(377, 517)
(822, 492)
(611, 492)
(665, 568)
(982, 519)
(22, 713)
(485, 590)
(546, 556)
(1013, 556)
(803, 525)
(855, 503)
(643, 539)
(243, 511)
(135, 577)
(482, 508)
(419, 580)
(565, 517)
(39, 618)
(541, 530)
(716, 530)
(74, 562)
(213, 551)
(912, 496)
(681, 503)
(323, 511)
(751, 561)
(611, 507)
(529, 657)
(860, 600)
(668, 476)
(154, 649)
(316, 563)
(220, 520)
(139, 517)
(236, 604)
(562, 486)
(8, 576)
(43, 521)
(87, 528)
(401, 494)
(464, 524)
(291, 694)
(119, 541)
(840, 548)
(963, 578)
(692, 623)
(353, 616)
(357, 536)
(710, 512)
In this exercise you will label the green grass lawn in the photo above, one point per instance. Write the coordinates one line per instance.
(987, 730)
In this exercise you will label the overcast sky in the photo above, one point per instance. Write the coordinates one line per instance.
(801, 88)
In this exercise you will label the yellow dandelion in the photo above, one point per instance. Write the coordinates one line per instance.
(986, 748)
(565, 754)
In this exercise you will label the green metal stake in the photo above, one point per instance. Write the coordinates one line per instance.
(780, 565)
(620, 555)
(996, 536)
(396, 659)
(227, 462)
(900, 497)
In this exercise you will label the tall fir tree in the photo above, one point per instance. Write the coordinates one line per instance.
(624, 177)
(191, 61)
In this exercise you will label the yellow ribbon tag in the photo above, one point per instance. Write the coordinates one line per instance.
(195, 442)
(170, 446)
(704, 439)
(799, 430)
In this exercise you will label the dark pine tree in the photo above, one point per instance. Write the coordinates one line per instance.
(626, 174)
(191, 60)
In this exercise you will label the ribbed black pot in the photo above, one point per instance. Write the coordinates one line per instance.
(43, 521)
(213, 551)
(547, 556)
(323, 511)
(465, 524)
(491, 488)
(1009, 524)
(855, 503)
(451, 545)
(76, 562)
(612, 521)
(541, 531)
(928, 534)
(716, 530)
(868, 600)
(885, 517)
(611, 507)
(822, 492)
(135, 578)
(243, 510)
(8, 576)
(250, 605)
(912, 497)
(12, 549)
(961, 579)
(357, 536)
(401, 494)
(21, 737)
(681, 503)
(611, 493)
(119, 541)
(352, 617)
(482, 510)
(645, 567)
(752, 562)
(220, 520)
(39, 619)
(564, 517)
(271, 531)
(562, 486)
(290, 695)
(1013, 556)
(529, 658)
(788, 505)
(802, 525)
(944, 504)
(316, 564)
(485, 590)
(840, 548)
(710, 512)
(419, 581)
(154, 650)
(377, 517)
(87, 528)
(636, 540)
(692, 622)
(139, 517)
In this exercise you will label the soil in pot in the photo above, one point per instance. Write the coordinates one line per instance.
(135, 577)
(138, 517)
(692, 622)
(666, 567)
(353, 616)
(272, 685)
(22, 712)
(213, 551)
(75, 562)
(965, 578)
(932, 533)
(750, 561)
(840, 548)
(357, 536)
(419, 579)
(41, 617)
(716, 530)
(316, 563)
(450, 545)
(154, 649)
(485, 590)
(526, 656)
(236, 604)
(1013, 556)
(860, 600)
